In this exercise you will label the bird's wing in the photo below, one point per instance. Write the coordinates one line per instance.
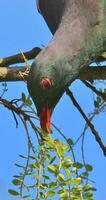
(51, 10)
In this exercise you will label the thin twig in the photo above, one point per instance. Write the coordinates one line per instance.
(30, 146)
(66, 139)
(16, 121)
(20, 112)
(96, 111)
(97, 92)
(91, 126)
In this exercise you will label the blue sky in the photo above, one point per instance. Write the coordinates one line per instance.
(23, 28)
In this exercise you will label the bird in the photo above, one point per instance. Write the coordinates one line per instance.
(78, 38)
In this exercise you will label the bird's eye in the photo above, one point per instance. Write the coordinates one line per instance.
(45, 83)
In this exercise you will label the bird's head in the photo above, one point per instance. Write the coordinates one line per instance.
(45, 89)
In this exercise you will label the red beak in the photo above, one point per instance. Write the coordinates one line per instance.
(45, 120)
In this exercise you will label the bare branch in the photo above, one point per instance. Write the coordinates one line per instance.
(93, 73)
(20, 113)
(18, 58)
(91, 126)
(13, 73)
(21, 73)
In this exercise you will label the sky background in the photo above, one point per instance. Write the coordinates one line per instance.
(21, 27)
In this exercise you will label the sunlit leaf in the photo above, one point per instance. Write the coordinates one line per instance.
(63, 194)
(61, 177)
(52, 184)
(68, 172)
(67, 163)
(35, 165)
(52, 168)
(44, 186)
(73, 181)
(50, 193)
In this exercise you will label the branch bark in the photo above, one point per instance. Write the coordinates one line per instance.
(21, 73)
(18, 58)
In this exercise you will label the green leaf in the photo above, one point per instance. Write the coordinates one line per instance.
(28, 102)
(17, 182)
(16, 176)
(88, 167)
(63, 194)
(78, 165)
(13, 192)
(34, 158)
(72, 181)
(50, 142)
(61, 177)
(23, 97)
(26, 196)
(52, 168)
(61, 149)
(44, 186)
(88, 195)
(67, 163)
(42, 195)
(50, 193)
(88, 187)
(68, 172)
(20, 166)
(74, 170)
(23, 156)
(85, 174)
(52, 184)
(46, 177)
(49, 157)
(35, 165)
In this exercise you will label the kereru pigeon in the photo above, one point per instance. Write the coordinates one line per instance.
(79, 35)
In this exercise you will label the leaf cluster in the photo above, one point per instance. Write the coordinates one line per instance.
(51, 173)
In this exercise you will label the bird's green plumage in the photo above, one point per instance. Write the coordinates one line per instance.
(79, 30)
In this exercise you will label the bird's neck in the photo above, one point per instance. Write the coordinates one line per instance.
(78, 40)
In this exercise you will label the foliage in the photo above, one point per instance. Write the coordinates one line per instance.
(50, 173)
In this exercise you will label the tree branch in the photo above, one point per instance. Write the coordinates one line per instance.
(91, 126)
(13, 73)
(21, 73)
(93, 73)
(21, 113)
(18, 58)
